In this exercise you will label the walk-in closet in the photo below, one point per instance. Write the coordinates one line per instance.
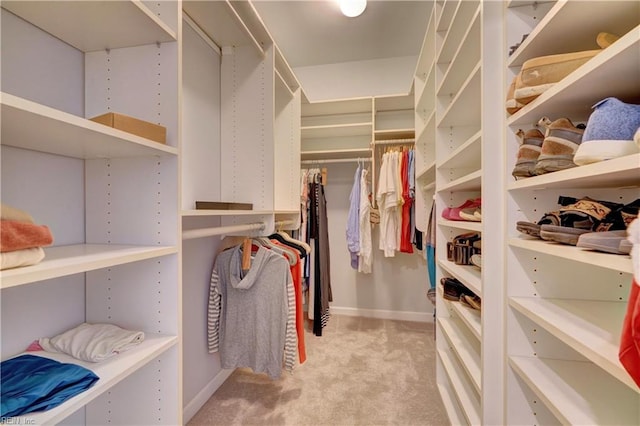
(230, 212)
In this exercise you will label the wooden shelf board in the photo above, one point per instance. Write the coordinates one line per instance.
(543, 40)
(91, 26)
(574, 95)
(467, 155)
(576, 391)
(615, 173)
(461, 224)
(470, 182)
(73, 259)
(394, 134)
(203, 212)
(427, 174)
(338, 130)
(470, 276)
(464, 109)
(465, 395)
(591, 328)
(467, 354)
(29, 125)
(616, 262)
(450, 406)
(110, 371)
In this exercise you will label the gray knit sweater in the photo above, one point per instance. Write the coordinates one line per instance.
(247, 317)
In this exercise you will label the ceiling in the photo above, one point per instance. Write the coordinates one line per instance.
(314, 32)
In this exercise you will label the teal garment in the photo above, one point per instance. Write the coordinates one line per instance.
(430, 246)
(32, 383)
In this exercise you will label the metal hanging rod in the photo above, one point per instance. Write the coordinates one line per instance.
(394, 141)
(231, 229)
(335, 160)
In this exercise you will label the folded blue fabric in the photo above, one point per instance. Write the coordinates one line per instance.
(32, 383)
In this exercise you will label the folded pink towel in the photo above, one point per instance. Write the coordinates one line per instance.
(16, 235)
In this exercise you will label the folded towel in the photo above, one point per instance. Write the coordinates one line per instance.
(93, 342)
(11, 213)
(16, 235)
(25, 257)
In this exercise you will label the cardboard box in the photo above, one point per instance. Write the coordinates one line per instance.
(133, 125)
(221, 205)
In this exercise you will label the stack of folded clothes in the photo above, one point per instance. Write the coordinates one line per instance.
(21, 239)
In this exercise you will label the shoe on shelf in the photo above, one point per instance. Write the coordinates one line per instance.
(453, 213)
(478, 214)
(473, 302)
(560, 144)
(469, 214)
(511, 105)
(476, 260)
(537, 75)
(607, 242)
(636, 137)
(454, 289)
(528, 153)
(609, 133)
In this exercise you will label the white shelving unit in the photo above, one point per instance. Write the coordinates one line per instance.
(457, 109)
(109, 197)
(566, 305)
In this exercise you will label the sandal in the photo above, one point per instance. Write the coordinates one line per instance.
(589, 216)
(551, 218)
(473, 302)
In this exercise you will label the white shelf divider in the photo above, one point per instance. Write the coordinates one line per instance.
(470, 182)
(336, 130)
(464, 349)
(464, 393)
(461, 224)
(566, 388)
(61, 261)
(110, 371)
(591, 328)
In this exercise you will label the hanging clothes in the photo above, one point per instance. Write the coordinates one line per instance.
(365, 255)
(629, 351)
(405, 234)
(388, 203)
(353, 220)
(430, 253)
(249, 320)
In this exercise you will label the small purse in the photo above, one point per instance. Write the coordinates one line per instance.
(463, 247)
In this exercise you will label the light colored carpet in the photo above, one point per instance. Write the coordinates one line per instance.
(362, 371)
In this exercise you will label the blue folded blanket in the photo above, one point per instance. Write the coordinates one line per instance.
(31, 383)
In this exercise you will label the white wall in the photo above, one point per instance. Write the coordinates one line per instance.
(390, 76)
(396, 288)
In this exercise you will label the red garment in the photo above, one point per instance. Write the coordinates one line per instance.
(296, 274)
(18, 235)
(405, 230)
(629, 353)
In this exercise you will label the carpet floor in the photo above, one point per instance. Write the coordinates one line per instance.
(362, 371)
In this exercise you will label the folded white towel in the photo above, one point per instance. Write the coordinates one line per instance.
(93, 342)
(24, 257)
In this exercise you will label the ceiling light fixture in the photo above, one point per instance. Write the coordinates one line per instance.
(352, 8)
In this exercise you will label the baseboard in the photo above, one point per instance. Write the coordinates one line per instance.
(383, 314)
(203, 396)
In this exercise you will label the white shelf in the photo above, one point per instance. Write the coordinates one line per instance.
(464, 109)
(467, 400)
(456, 31)
(616, 173)
(574, 95)
(285, 71)
(466, 350)
(337, 130)
(282, 84)
(461, 224)
(111, 372)
(91, 26)
(427, 174)
(73, 259)
(591, 328)
(467, 155)
(616, 262)
(577, 27)
(470, 182)
(394, 134)
(336, 154)
(567, 389)
(450, 405)
(446, 15)
(472, 318)
(222, 23)
(33, 126)
(468, 275)
(464, 59)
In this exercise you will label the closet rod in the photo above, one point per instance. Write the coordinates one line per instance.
(393, 141)
(335, 160)
(222, 230)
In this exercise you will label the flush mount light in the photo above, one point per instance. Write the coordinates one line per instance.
(352, 8)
